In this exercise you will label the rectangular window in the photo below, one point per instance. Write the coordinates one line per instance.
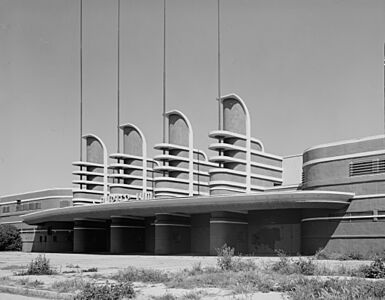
(370, 167)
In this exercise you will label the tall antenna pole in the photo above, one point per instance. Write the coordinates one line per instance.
(219, 69)
(384, 87)
(164, 71)
(118, 82)
(81, 79)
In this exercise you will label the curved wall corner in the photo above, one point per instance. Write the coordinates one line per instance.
(356, 230)
(355, 166)
(132, 173)
(182, 170)
(243, 165)
(92, 182)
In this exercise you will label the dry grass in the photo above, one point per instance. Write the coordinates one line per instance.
(299, 278)
(68, 285)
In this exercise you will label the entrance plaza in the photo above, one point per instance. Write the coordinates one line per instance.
(183, 202)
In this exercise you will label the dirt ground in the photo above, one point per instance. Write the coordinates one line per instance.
(11, 262)
(5, 296)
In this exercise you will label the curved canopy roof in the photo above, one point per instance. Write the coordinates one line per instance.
(192, 205)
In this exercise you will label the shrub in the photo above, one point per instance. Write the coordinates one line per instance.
(225, 256)
(107, 291)
(39, 266)
(376, 269)
(93, 269)
(10, 239)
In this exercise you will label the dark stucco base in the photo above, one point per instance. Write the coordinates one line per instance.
(91, 236)
(127, 234)
(228, 228)
(172, 234)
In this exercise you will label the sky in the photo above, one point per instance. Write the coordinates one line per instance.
(310, 72)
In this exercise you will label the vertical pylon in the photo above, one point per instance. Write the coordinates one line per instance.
(164, 71)
(219, 66)
(81, 77)
(118, 82)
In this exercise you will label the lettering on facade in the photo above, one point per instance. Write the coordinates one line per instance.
(144, 196)
(112, 198)
(115, 198)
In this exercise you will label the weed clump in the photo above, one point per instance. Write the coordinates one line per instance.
(376, 269)
(225, 256)
(107, 291)
(38, 266)
(143, 275)
(336, 289)
(285, 265)
(226, 261)
(305, 266)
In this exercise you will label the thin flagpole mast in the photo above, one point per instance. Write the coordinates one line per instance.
(164, 71)
(81, 78)
(219, 68)
(384, 87)
(118, 82)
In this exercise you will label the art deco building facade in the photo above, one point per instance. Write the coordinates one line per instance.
(182, 201)
(243, 164)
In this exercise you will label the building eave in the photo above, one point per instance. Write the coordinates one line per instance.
(194, 205)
